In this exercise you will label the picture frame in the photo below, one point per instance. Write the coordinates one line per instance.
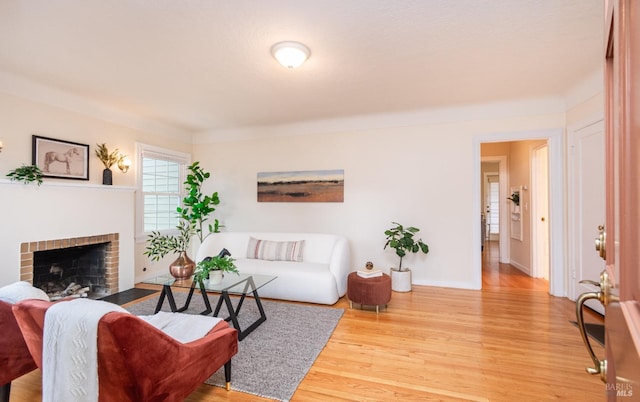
(301, 186)
(59, 158)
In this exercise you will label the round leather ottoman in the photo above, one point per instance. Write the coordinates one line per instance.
(368, 291)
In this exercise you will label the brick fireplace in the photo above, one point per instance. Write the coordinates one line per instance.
(108, 268)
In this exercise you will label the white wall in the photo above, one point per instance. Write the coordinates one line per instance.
(419, 175)
(413, 168)
(66, 208)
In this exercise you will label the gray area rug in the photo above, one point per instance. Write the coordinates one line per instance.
(274, 358)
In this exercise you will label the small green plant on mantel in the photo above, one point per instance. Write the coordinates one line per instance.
(193, 214)
(401, 239)
(515, 198)
(217, 263)
(26, 174)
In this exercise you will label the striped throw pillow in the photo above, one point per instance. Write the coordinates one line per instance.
(275, 250)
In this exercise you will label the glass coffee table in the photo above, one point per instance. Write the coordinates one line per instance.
(232, 284)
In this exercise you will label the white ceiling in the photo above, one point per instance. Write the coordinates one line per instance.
(205, 65)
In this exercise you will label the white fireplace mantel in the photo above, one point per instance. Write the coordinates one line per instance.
(57, 210)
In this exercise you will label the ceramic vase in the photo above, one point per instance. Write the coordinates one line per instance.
(107, 177)
(182, 267)
(400, 280)
(215, 277)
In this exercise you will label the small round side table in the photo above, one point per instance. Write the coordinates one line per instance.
(368, 291)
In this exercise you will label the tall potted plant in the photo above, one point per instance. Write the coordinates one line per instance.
(195, 211)
(196, 206)
(402, 240)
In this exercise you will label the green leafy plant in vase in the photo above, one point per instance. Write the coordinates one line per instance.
(195, 211)
(515, 198)
(213, 268)
(401, 239)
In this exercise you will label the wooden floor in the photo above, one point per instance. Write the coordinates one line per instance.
(509, 342)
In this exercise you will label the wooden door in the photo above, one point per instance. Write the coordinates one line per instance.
(622, 124)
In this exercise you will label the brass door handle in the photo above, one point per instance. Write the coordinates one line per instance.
(600, 366)
(605, 297)
(601, 242)
(588, 282)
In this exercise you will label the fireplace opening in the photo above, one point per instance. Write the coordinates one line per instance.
(71, 272)
(99, 272)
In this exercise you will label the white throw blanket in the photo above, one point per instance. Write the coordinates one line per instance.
(70, 350)
(19, 291)
(184, 328)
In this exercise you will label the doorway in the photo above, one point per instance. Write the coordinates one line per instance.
(520, 251)
(586, 181)
(494, 212)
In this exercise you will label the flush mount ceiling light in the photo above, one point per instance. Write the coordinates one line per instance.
(290, 54)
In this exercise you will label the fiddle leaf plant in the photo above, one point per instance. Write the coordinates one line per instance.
(197, 206)
(195, 211)
(26, 174)
(401, 239)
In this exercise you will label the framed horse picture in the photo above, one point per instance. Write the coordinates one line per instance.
(60, 159)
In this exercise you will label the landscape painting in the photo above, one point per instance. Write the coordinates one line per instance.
(301, 186)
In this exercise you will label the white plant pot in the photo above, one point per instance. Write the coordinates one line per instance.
(400, 280)
(215, 277)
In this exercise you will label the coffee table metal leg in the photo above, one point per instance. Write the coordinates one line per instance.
(161, 299)
(218, 306)
(172, 301)
(232, 315)
(203, 292)
(263, 317)
(249, 284)
(186, 303)
(233, 312)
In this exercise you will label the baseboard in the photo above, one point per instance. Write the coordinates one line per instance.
(447, 284)
(520, 267)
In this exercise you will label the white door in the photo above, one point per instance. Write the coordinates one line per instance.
(587, 208)
(540, 214)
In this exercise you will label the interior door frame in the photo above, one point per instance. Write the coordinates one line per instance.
(557, 238)
(574, 223)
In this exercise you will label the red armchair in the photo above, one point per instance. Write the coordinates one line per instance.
(15, 359)
(138, 362)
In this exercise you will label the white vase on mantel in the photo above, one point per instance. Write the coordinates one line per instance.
(401, 280)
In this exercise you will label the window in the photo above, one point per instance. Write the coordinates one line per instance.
(494, 206)
(161, 174)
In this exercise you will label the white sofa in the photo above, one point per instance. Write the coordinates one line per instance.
(321, 276)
